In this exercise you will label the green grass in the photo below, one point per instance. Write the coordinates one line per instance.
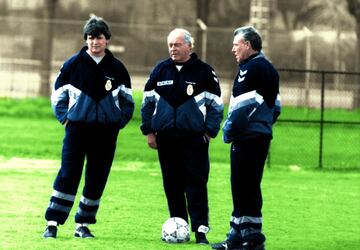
(29, 129)
(293, 144)
(299, 144)
(304, 208)
(306, 114)
(31, 108)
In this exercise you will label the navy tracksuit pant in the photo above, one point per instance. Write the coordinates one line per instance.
(247, 165)
(96, 143)
(184, 162)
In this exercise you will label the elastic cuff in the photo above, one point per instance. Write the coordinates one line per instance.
(203, 229)
(52, 223)
(81, 225)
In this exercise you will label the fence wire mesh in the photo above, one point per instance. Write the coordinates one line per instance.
(320, 120)
(321, 116)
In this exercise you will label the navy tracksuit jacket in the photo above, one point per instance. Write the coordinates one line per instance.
(254, 108)
(96, 102)
(182, 106)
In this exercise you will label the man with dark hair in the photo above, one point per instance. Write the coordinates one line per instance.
(181, 110)
(96, 26)
(92, 98)
(254, 108)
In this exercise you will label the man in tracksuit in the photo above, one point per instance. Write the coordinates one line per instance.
(181, 110)
(254, 108)
(92, 98)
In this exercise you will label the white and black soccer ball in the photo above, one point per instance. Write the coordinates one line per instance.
(175, 230)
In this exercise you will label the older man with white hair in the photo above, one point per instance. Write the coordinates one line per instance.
(181, 110)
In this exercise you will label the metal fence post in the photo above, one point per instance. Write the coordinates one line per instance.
(203, 29)
(322, 101)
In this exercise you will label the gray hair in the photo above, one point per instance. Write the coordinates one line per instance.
(250, 34)
(187, 36)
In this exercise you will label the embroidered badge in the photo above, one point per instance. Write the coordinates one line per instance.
(189, 90)
(108, 85)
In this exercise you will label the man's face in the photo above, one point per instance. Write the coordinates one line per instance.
(241, 48)
(179, 50)
(97, 45)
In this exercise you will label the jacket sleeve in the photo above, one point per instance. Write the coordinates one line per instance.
(266, 73)
(125, 99)
(241, 109)
(126, 104)
(149, 101)
(277, 108)
(60, 95)
(214, 105)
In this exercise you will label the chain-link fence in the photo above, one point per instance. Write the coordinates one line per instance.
(320, 122)
(320, 118)
(140, 47)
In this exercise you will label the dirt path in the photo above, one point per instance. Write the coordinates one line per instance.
(23, 163)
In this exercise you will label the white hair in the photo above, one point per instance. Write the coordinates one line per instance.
(187, 36)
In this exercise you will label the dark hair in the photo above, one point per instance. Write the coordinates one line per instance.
(96, 26)
(250, 34)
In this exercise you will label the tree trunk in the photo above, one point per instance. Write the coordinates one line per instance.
(357, 60)
(202, 10)
(48, 30)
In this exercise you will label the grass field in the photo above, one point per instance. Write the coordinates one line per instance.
(39, 135)
(304, 208)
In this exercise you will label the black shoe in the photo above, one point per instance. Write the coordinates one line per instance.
(50, 232)
(250, 245)
(227, 244)
(83, 232)
(243, 246)
(220, 246)
(200, 238)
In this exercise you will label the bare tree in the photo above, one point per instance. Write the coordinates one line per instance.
(294, 12)
(202, 10)
(321, 13)
(229, 13)
(3, 8)
(329, 13)
(334, 15)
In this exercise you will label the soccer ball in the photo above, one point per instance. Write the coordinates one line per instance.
(175, 230)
